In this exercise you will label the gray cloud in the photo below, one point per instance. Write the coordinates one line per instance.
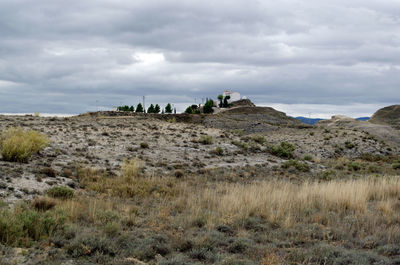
(82, 55)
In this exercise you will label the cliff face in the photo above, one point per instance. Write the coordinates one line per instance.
(389, 116)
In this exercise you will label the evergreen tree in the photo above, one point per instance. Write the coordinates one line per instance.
(132, 109)
(151, 109)
(168, 108)
(226, 104)
(139, 107)
(220, 98)
(208, 107)
(157, 109)
(189, 110)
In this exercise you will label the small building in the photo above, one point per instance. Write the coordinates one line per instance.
(235, 96)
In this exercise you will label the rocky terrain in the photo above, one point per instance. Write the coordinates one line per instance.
(182, 156)
(104, 141)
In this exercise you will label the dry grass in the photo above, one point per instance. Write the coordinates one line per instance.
(132, 168)
(286, 204)
(18, 146)
(129, 184)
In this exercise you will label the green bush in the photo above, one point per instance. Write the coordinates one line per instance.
(144, 145)
(219, 151)
(308, 157)
(17, 145)
(22, 225)
(354, 166)
(284, 150)
(60, 192)
(349, 145)
(396, 165)
(304, 167)
(206, 139)
(258, 139)
(242, 145)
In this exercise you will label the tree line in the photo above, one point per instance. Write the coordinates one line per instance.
(151, 109)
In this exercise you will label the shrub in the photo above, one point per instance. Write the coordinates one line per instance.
(144, 145)
(43, 203)
(206, 139)
(175, 260)
(349, 145)
(22, 225)
(132, 168)
(240, 245)
(48, 171)
(172, 120)
(178, 173)
(219, 151)
(297, 165)
(308, 157)
(60, 192)
(258, 139)
(112, 229)
(284, 150)
(354, 166)
(242, 145)
(17, 145)
(90, 245)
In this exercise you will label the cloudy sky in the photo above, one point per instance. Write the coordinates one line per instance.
(305, 57)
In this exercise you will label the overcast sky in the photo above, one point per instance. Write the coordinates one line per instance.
(309, 57)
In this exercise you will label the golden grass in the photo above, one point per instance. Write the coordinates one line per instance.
(18, 145)
(286, 204)
(132, 168)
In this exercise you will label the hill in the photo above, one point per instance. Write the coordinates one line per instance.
(251, 119)
(389, 116)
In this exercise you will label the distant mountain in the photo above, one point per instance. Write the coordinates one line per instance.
(363, 118)
(313, 121)
(309, 120)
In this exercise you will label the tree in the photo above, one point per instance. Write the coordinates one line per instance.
(208, 107)
(139, 107)
(226, 103)
(220, 98)
(124, 108)
(132, 109)
(168, 108)
(189, 110)
(151, 109)
(157, 109)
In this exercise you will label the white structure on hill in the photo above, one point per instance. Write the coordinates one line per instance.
(235, 96)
